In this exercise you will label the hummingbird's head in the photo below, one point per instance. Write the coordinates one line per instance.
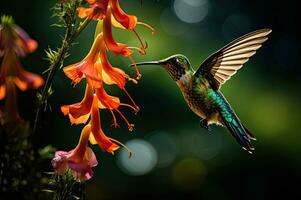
(176, 65)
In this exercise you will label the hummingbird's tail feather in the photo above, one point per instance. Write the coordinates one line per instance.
(242, 135)
(251, 136)
(230, 120)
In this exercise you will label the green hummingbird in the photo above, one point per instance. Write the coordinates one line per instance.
(201, 88)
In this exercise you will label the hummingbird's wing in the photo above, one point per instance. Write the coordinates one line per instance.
(220, 66)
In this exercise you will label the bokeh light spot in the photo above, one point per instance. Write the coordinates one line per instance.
(204, 144)
(191, 11)
(171, 24)
(189, 173)
(166, 146)
(196, 3)
(143, 160)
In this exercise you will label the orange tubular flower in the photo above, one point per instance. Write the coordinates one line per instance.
(102, 140)
(107, 9)
(128, 22)
(11, 67)
(116, 48)
(112, 103)
(97, 71)
(80, 112)
(116, 76)
(15, 42)
(87, 67)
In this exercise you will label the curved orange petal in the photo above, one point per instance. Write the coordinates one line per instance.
(80, 120)
(127, 21)
(103, 141)
(80, 112)
(112, 75)
(116, 48)
(72, 72)
(89, 67)
(79, 151)
(116, 23)
(108, 101)
(25, 80)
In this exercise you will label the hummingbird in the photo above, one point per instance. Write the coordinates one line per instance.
(201, 88)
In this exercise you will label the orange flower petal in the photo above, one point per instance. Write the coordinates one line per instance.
(127, 21)
(85, 12)
(11, 67)
(106, 100)
(79, 151)
(80, 120)
(109, 40)
(112, 75)
(103, 141)
(21, 84)
(89, 67)
(116, 23)
(25, 80)
(91, 1)
(72, 73)
(92, 139)
(2, 92)
(80, 112)
(96, 11)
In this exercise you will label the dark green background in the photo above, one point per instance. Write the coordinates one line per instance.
(265, 94)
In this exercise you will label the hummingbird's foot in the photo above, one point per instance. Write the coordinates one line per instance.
(204, 124)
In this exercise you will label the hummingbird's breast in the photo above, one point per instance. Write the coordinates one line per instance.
(195, 93)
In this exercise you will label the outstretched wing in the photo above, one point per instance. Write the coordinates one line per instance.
(220, 66)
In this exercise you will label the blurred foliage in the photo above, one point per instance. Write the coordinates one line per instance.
(21, 165)
(64, 187)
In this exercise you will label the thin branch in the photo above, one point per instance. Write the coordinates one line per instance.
(56, 62)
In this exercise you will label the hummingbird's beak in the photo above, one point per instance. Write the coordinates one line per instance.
(159, 62)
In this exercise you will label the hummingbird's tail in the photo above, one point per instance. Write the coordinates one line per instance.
(242, 135)
(229, 119)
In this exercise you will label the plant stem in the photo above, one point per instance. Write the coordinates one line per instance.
(67, 42)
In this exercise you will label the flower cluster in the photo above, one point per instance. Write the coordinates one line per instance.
(14, 43)
(97, 71)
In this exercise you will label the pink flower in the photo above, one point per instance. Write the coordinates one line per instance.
(79, 160)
